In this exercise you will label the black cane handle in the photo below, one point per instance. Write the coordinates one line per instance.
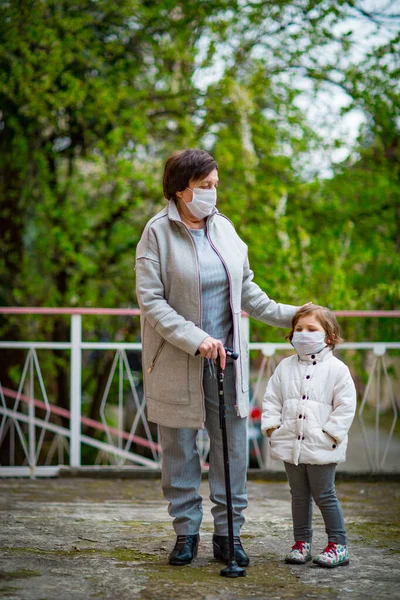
(230, 352)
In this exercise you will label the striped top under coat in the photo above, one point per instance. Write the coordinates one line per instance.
(216, 310)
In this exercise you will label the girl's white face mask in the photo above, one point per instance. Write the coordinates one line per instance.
(203, 202)
(308, 342)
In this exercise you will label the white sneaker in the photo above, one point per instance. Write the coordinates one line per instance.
(334, 555)
(299, 554)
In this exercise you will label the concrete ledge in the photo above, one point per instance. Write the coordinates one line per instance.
(252, 474)
(128, 472)
(272, 475)
(110, 472)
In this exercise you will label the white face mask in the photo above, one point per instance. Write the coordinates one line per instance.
(203, 202)
(308, 342)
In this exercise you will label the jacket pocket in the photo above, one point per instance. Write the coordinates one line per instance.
(167, 376)
(157, 354)
(324, 440)
(273, 432)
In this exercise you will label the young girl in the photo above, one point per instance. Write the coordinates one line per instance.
(308, 408)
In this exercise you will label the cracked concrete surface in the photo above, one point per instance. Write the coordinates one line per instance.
(65, 539)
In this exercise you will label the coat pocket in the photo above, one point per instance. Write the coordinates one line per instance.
(324, 440)
(167, 377)
(273, 433)
(282, 433)
(157, 354)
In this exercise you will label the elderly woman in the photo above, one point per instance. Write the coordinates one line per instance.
(193, 280)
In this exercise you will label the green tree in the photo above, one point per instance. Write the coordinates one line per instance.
(94, 96)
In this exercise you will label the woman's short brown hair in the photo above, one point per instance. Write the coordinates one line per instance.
(184, 165)
(326, 318)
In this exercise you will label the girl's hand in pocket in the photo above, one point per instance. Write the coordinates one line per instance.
(329, 436)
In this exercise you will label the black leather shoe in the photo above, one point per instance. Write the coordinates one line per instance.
(221, 550)
(185, 549)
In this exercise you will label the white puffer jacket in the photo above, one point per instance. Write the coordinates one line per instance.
(309, 400)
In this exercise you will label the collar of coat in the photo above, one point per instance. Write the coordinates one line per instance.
(325, 354)
(174, 215)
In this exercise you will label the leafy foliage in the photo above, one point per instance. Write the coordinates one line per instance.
(94, 96)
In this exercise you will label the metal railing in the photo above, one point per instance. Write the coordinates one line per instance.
(20, 423)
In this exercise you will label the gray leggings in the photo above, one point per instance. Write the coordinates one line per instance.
(315, 481)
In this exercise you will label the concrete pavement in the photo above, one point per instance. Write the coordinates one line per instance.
(80, 538)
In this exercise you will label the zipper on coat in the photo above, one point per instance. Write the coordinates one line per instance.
(157, 354)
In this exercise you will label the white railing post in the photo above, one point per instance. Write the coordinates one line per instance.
(31, 412)
(76, 365)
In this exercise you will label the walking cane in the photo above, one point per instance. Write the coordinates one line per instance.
(233, 569)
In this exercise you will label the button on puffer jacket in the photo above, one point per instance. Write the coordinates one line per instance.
(310, 403)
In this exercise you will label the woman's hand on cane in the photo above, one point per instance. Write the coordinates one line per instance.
(212, 348)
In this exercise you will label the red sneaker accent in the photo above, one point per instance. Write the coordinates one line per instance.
(298, 546)
(331, 547)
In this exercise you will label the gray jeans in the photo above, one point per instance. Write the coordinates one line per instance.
(315, 481)
(181, 468)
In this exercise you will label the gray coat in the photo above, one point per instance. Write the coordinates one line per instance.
(168, 289)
